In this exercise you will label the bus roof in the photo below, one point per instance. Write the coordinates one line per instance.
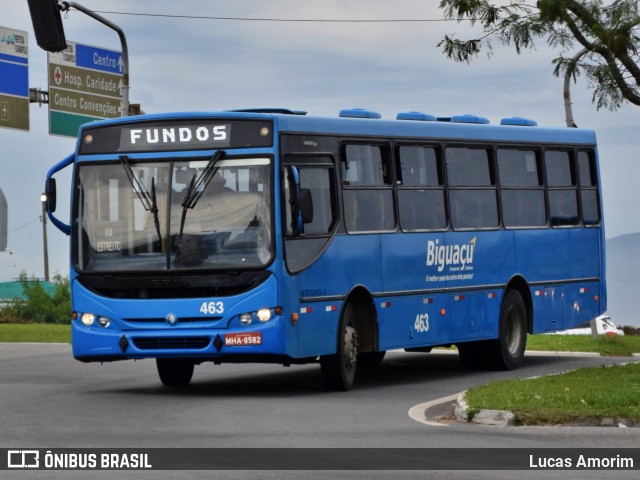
(410, 125)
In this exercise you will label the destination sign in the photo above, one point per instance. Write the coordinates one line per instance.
(85, 85)
(192, 134)
(14, 79)
(176, 138)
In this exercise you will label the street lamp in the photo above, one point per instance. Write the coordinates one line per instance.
(43, 201)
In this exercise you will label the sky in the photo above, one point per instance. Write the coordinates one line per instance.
(179, 64)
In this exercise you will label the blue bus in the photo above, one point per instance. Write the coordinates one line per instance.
(270, 235)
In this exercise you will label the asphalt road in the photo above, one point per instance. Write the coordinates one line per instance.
(49, 400)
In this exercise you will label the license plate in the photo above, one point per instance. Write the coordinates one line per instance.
(242, 339)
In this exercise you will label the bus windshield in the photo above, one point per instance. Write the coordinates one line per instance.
(176, 215)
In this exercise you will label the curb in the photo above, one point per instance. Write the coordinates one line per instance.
(494, 418)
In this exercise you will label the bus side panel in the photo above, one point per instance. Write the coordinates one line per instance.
(411, 319)
(475, 314)
(579, 304)
(333, 276)
(433, 272)
(490, 263)
(584, 253)
(583, 299)
(543, 255)
(547, 308)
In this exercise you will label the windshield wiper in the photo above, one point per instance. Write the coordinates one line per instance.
(198, 186)
(148, 200)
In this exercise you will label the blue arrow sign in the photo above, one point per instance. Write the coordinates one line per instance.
(98, 59)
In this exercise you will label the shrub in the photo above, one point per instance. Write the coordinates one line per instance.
(38, 306)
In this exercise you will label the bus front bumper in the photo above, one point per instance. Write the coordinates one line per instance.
(91, 344)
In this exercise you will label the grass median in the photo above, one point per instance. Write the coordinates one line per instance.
(606, 345)
(589, 396)
(35, 332)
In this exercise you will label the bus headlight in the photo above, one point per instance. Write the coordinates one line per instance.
(88, 319)
(264, 314)
(245, 319)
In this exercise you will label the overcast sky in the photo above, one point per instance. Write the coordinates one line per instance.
(201, 64)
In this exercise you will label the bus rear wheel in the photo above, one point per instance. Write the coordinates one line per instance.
(175, 372)
(507, 351)
(339, 370)
(509, 348)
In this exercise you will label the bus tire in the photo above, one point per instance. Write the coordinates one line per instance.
(370, 359)
(472, 355)
(339, 370)
(508, 350)
(175, 372)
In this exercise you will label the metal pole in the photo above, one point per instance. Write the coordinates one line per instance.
(64, 6)
(45, 247)
(567, 94)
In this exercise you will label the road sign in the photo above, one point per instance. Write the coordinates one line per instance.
(85, 84)
(14, 79)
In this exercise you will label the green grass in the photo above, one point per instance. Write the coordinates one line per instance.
(587, 395)
(35, 332)
(607, 345)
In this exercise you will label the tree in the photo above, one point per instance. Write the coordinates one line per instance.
(38, 306)
(609, 33)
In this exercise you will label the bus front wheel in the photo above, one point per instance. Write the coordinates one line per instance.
(175, 372)
(339, 370)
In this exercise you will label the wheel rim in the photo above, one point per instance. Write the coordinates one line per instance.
(350, 353)
(514, 331)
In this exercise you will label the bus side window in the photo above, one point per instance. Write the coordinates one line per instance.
(367, 188)
(472, 188)
(588, 188)
(319, 182)
(522, 188)
(421, 199)
(562, 183)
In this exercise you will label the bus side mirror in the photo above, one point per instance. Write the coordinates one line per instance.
(50, 192)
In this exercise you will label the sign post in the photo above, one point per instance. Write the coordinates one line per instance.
(14, 79)
(85, 85)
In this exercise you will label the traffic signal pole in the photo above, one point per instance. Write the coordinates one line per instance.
(64, 6)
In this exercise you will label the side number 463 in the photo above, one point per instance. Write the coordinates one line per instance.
(422, 323)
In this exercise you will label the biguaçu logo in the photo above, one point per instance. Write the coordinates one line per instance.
(456, 256)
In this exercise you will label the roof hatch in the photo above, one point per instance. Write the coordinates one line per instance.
(519, 121)
(469, 119)
(359, 113)
(423, 117)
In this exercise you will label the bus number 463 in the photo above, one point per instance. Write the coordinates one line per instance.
(211, 308)
(422, 323)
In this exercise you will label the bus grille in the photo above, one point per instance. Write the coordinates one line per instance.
(170, 343)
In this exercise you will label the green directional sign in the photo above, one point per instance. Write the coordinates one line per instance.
(85, 85)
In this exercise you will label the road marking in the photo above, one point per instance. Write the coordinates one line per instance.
(417, 411)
